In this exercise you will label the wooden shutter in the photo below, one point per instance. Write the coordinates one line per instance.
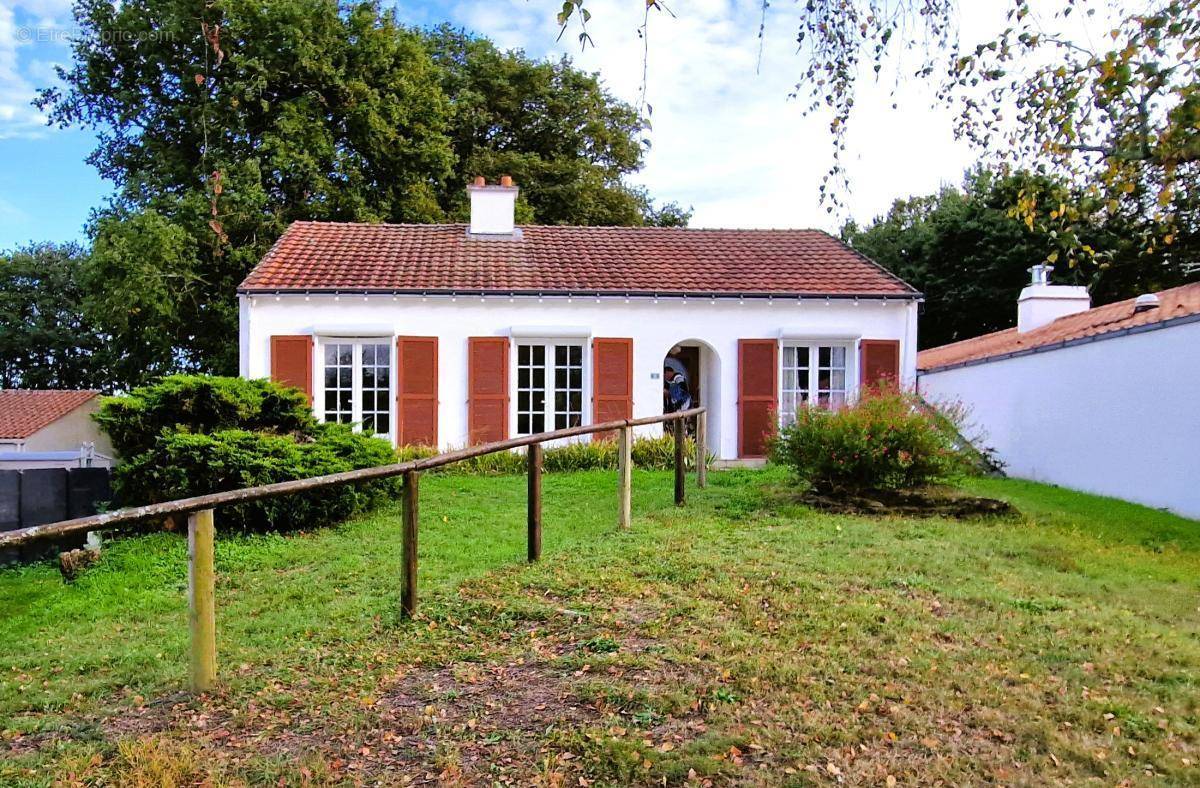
(612, 381)
(292, 362)
(417, 391)
(487, 389)
(880, 365)
(758, 360)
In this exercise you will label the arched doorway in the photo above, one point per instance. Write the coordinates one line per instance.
(691, 379)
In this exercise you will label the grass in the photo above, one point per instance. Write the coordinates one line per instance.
(742, 639)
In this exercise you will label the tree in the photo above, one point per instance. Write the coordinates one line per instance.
(222, 123)
(46, 340)
(970, 255)
(564, 138)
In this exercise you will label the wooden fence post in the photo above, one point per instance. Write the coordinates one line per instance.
(202, 605)
(408, 594)
(625, 476)
(534, 503)
(702, 449)
(679, 474)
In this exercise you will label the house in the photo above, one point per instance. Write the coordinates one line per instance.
(1101, 400)
(51, 429)
(455, 334)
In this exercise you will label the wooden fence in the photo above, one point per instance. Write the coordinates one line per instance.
(201, 526)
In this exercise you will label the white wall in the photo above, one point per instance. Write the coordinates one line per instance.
(655, 328)
(71, 431)
(1116, 417)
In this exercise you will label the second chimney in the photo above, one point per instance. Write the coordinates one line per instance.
(1041, 302)
(493, 208)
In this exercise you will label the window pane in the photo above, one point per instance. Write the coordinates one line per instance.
(330, 377)
(382, 401)
(330, 355)
(523, 354)
(576, 378)
(837, 380)
(523, 423)
(576, 355)
(368, 377)
(523, 377)
(839, 356)
(383, 354)
(383, 423)
(344, 400)
(560, 378)
(539, 399)
(368, 354)
(539, 354)
(368, 423)
(560, 355)
(539, 422)
(576, 402)
(345, 354)
(383, 377)
(345, 377)
(789, 356)
(346, 418)
(560, 401)
(560, 421)
(539, 377)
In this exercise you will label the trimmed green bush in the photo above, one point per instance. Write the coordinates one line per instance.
(190, 435)
(883, 442)
(183, 464)
(201, 403)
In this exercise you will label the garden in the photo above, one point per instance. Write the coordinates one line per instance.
(750, 638)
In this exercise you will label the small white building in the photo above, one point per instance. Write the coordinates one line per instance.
(51, 428)
(1100, 400)
(454, 334)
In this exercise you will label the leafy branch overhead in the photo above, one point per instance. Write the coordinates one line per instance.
(1120, 117)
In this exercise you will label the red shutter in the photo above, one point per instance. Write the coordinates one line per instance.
(612, 381)
(758, 360)
(417, 391)
(487, 389)
(880, 366)
(292, 362)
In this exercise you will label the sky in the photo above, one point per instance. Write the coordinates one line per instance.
(726, 139)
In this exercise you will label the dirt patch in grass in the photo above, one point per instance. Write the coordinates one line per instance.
(929, 502)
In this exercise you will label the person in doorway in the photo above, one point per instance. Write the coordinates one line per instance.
(677, 395)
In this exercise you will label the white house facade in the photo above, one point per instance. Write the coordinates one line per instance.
(1100, 400)
(453, 334)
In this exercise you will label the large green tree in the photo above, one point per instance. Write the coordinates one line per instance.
(968, 251)
(565, 140)
(46, 340)
(222, 122)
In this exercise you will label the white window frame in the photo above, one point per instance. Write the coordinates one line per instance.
(357, 342)
(812, 348)
(548, 408)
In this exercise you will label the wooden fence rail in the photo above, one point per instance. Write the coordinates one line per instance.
(201, 530)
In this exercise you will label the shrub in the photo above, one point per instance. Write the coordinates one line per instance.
(192, 434)
(884, 442)
(199, 403)
(181, 464)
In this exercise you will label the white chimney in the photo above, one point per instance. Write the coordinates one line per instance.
(493, 207)
(1041, 302)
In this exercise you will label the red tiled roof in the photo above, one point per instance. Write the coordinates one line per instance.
(25, 411)
(441, 257)
(1176, 302)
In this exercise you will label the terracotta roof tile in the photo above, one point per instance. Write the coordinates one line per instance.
(441, 257)
(1176, 302)
(25, 411)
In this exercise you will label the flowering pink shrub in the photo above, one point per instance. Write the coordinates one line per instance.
(883, 442)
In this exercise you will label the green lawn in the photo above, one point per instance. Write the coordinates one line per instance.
(741, 639)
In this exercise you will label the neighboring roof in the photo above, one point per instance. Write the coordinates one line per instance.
(1111, 319)
(25, 411)
(443, 258)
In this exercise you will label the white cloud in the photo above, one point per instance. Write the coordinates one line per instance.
(726, 138)
(18, 38)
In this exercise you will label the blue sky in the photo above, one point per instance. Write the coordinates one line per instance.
(726, 139)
